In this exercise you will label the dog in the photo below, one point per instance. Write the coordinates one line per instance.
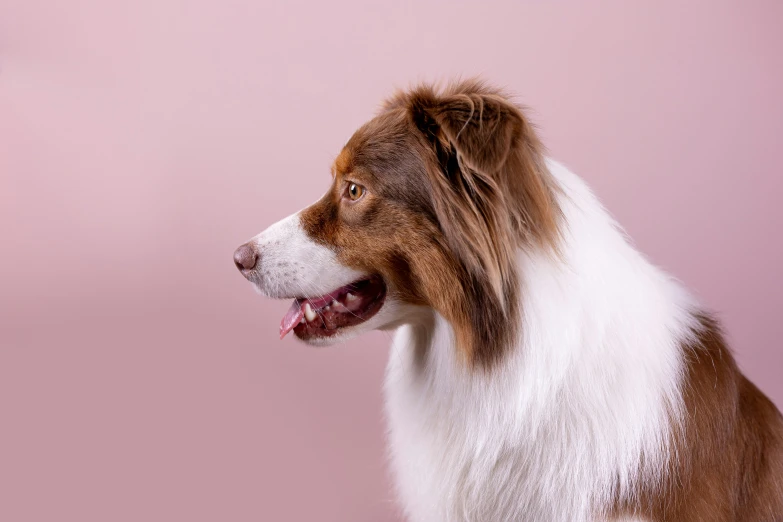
(542, 369)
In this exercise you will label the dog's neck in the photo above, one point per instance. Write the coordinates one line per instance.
(600, 340)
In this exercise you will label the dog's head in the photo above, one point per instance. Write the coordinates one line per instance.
(429, 202)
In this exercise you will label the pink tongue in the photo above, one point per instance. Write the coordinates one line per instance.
(291, 319)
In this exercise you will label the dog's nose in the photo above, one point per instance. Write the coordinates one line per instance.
(245, 257)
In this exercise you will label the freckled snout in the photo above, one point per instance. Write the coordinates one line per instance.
(283, 262)
(245, 257)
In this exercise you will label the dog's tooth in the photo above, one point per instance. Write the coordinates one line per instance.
(309, 313)
(302, 320)
(327, 307)
(350, 297)
(334, 302)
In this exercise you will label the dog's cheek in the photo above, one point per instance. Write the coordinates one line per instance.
(358, 249)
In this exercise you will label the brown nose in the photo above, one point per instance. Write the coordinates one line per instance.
(245, 257)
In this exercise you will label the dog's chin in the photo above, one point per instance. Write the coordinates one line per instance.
(340, 336)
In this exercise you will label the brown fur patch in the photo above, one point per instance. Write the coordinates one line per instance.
(728, 456)
(456, 183)
(342, 163)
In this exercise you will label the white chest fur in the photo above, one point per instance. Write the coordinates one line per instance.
(558, 429)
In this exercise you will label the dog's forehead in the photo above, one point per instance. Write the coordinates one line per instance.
(385, 149)
(342, 163)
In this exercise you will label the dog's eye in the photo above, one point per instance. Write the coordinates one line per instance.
(355, 191)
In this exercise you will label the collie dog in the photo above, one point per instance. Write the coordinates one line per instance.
(542, 369)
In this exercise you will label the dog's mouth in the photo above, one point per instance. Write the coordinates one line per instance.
(344, 307)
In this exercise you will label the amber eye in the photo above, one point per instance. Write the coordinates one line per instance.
(355, 191)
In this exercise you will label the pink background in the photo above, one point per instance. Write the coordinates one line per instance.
(140, 142)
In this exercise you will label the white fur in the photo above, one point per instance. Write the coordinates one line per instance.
(559, 429)
(291, 264)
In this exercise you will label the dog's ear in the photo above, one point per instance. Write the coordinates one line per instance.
(491, 193)
(486, 145)
(480, 124)
(482, 128)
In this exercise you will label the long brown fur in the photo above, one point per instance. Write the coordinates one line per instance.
(487, 193)
(727, 461)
